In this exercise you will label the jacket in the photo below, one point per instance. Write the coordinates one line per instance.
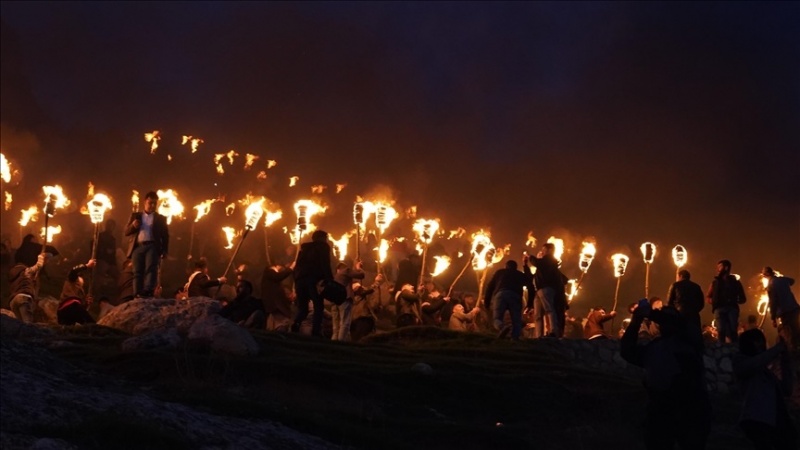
(314, 262)
(726, 290)
(510, 280)
(759, 385)
(686, 296)
(594, 324)
(781, 298)
(160, 233)
(22, 280)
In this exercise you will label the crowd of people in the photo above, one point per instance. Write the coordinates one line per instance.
(311, 293)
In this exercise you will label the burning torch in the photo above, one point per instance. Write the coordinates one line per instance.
(358, 219)
(585, 261)
(252, 216)
(648, 253)
(202, 210)
(680, 256)
(97, 207)
(620, 264)
(304, 209)
(54, 199)
(426, 230)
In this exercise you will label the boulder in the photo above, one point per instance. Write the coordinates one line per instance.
(223, 336)
(161, 338)
(13, 328)
(140, 316)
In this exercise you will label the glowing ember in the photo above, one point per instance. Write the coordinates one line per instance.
(29, 215)
(135, 200)
(383, 250)
(571, 289)
(261, 175)
(169, 157)
(90, 192)
(459, 233)
(559, 244)
(679, 255)
(620, 264)
(340, 187)
(230, 234)
(442, 263)
(98, 206)
(305, 209)
(293, 181)
(193, 140)
(231, 154)
(318, 189)
(8, 200)
(587, 256)
(153, 138)
(5, 169)
(648, 252)
(271, 163)
(54, 199)
(203, 209)
(253, 213)
(230, 209)
(51, 232)
(250, 159)
(426, 229)
(531, 242)
(168, 204)
(220, 169)
(411, 213)
(340, 245)
(384, 215)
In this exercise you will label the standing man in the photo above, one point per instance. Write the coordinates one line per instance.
(725, 295)
(782, 304)
(148, 244)
(549, 294)
(687, 297)
(505, 290)
(313, 266)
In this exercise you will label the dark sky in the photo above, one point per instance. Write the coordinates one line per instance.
(675, 123)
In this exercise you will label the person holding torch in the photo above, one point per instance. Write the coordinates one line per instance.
(550, 299)
(783, 304)
(313, 266)
(148, 244)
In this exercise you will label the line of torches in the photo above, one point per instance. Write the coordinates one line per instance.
(483, 253)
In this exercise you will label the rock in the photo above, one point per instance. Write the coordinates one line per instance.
(223, 335)
(422, 368)
(51, 444)
(163, 338)
(13, 328)
(141, 316)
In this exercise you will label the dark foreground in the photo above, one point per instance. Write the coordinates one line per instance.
(478, 392)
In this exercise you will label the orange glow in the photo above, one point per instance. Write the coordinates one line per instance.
(261, 175)
(340, 245)
(203, 209)
(293, 181)
(340, 187)
(153, 139)
(271, 163)
(230, 234)
(51, 232)
(411, 213)
(135, 200)
(272, 217)
(383, 250)
(8, 200)
(168, 204)
(458, 233)
(5, 169)
(249, 160)
(559, 244)
(620, 264)
(318, 189)
(230, 209)
(426, 229)
(193, 140)
(531, 242)
(442, 263)
(29, 215)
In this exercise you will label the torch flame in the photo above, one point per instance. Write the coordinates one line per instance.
(293, 181)
(230, 234)
(442, 263)
(763, 305)
(482, 250)
(230, 208)
(572, 289)
(531, 242)
(51, 231)
(648, 252)
(271, 163)
(5, 168)
(318, 189)
(135, 200)
(29, 215)
(587, 256)
(426, 229)
(90, 192)
(231, 154)
(153, 138)
(340, 245)
(411, 213)
(620, 264)
(8, 200)
(195, 142)
(54, 198)
(383, 250)
(458, 233)
(168, 204)
(250, 159)
(679, 255)
(384, 215)
(254, 213)
(361, 212)
(305, 209)
(340, 187)
(559, 244)
(261, 175)
(98, 206)
(272, 217)
(203, 209)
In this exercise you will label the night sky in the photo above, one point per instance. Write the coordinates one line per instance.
(629, 122)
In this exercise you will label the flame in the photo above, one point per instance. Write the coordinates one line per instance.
(272, 217)
(411, 213)
(195, 142)
(51, 232)
(679, 255)
(230, 234)
(250, 159)
(230, 209)
(460, 254)
(168, 204)
(340, 187)
(153, 138)
(271, 163)
(90, 192)
(559, 244)
(340, 245)
(318, 189)
(5, 169)
(293, 181)
(620, 264)
(169, 157)
(384, 215)
(220, 169)
(571, 289)
(459, 233)
(361, 212)
(54, 199)
(8, 200)
(763, 304)
(253, 213)
(135, 200)
(482, 250)
(29, 215)
(231, 154)
(203, 208)
(531, 242)
(305, 209)
(98, 206)
(383, 250)
(442, 263)
(261, 175)
(648, 252)
(587, 256)
(426, 229)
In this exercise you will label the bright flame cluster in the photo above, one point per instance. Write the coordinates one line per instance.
(98, 206)
(648, 252)
(168, 204)
(620, 264)
(587, 256)
(426, 229)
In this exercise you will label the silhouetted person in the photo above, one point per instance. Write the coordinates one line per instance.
(765, 419)
(782, 304)
(460, 320)
(505, 292)
(549, 290)
(148, 244)
(75, 302)
(725, 295)
(688, 298)
(313, 266)
(24, 288)
(595, 321)
(245, 309)
(200, 284)
(678, 408)
(342, 314)
(277, 304)
(107, 251)
(29, 250)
